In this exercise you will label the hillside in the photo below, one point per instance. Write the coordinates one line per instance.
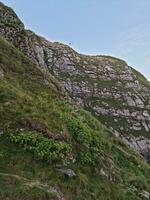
(50, 148)
(114, 92)
(33, 111)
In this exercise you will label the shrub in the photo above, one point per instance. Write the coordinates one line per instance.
(80, 132)
(43, 148)
(89, 144)
(12, 24)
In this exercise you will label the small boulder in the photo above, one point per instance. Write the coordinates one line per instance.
(145, 194)
(68, 172)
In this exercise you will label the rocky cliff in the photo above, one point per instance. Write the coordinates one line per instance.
(114, 92)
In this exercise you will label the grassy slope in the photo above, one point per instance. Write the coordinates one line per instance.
(143, 81)
(111, 171)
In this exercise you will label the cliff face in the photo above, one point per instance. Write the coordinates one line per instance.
(115, 93)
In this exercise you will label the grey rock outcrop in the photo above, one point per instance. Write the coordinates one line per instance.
(141, 144)
(68, 172)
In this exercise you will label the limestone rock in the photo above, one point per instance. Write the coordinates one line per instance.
(69, 172)
(145, 195)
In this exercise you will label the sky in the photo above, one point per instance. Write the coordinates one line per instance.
(119, 28)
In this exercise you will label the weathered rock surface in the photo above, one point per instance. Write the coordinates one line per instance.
(145, 195)
(141, 144)
(68, 172)
(113, 91)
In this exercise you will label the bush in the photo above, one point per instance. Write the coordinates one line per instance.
(43, 148)
(89, 143)
(80, 132)
(12, 24)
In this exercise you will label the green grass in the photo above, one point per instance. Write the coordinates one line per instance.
(141, 78)
(89, 183)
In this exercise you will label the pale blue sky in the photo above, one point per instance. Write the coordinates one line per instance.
(119, 28)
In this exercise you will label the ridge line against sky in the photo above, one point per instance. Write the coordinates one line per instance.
(95, 27)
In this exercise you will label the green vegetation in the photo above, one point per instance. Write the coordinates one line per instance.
(42, 148)
(12, 188)
(141, 78)
(12, 24)
(88, 142)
